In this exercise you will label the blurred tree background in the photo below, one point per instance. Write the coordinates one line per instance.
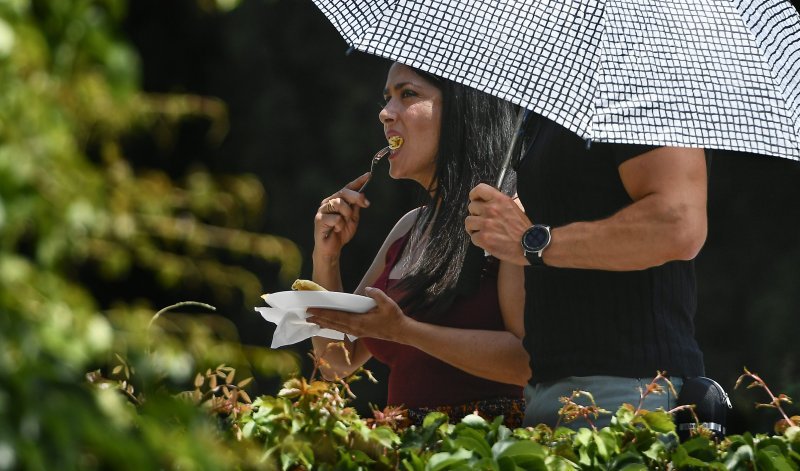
(153, 152)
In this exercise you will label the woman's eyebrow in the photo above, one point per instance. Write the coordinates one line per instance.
(396, 87)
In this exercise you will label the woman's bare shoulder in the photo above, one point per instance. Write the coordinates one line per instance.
(404, 224)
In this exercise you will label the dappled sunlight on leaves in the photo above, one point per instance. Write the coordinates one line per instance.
(72, 206)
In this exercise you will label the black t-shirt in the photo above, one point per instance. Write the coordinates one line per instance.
(594, 322)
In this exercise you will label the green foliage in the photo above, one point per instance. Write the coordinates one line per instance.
(52, 418)
(69, 196)
(316, 432)
(72, 204)
(309, 426)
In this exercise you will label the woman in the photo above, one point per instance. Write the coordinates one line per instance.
(449, 352)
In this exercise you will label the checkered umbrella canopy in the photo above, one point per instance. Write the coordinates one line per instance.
(721, 74)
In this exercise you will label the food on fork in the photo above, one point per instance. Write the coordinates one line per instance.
(395, 142)
(306, 285)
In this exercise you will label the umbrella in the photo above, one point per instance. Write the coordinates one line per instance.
(691, 73)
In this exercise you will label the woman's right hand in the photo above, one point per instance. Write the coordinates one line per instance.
(336, 220)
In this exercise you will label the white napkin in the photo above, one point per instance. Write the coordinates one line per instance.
(292, 326)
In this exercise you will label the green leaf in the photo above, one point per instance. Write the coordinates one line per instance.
(413, 463)
(484, 464)
(771, 459)
(296, 452)
(563, 432)
(655, 451)
(792, 434)
(634, 467)
(701, 448)
(248, 429)
(475, 421)
(624, 415)
(743, 456)
(627, 460)
(524, 454)
(472, 440)
(505, 464)
(359, 456)
(512, 448)
(681, 459)
(607, 445)
(717, 466)
(446, 460)
(659, 421)
(434, 419)
(775, 442)
(558, 463)
(385, 436)
(503, 433)
(583, 437)
(586, 456)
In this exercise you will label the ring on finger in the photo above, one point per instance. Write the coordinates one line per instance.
(329, 207)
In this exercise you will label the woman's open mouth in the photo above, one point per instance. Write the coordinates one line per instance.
(395, 142)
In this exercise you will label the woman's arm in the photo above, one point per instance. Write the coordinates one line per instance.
(495, 355)
(340, 363)
(335, 224)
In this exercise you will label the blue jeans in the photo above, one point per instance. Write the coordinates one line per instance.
(609, 392)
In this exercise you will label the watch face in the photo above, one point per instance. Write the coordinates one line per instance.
(536, 238)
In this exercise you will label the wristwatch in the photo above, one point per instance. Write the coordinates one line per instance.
(534, 241)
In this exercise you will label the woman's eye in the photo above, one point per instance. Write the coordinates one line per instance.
(408, 93)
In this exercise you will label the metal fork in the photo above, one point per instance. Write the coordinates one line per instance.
(375, 159)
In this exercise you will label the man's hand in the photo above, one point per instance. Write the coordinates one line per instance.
(496, 224)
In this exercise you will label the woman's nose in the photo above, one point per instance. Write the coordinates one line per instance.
(386, 114)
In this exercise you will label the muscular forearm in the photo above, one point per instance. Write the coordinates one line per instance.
(495, 355)
(648, 233)
(665, 221)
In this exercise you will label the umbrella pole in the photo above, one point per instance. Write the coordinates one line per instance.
(521, 118)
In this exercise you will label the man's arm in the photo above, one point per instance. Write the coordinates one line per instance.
(666, 221)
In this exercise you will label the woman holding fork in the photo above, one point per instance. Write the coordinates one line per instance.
(446, 349)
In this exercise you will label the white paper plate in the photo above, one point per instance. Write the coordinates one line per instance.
(324, 299)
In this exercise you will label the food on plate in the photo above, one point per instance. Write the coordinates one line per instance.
(301, 285)
(306, 285)
(395, 142)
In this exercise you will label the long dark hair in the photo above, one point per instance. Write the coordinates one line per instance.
(475, 131)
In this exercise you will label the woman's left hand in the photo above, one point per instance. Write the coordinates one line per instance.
(385, 321)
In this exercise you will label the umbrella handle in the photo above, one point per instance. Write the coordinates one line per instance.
(521, 118)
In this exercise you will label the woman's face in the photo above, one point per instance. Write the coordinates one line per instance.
(413, 111)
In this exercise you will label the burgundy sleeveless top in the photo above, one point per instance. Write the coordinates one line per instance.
(417, 379)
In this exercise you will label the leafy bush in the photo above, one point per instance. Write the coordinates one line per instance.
(309, 426)
(72, 204)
